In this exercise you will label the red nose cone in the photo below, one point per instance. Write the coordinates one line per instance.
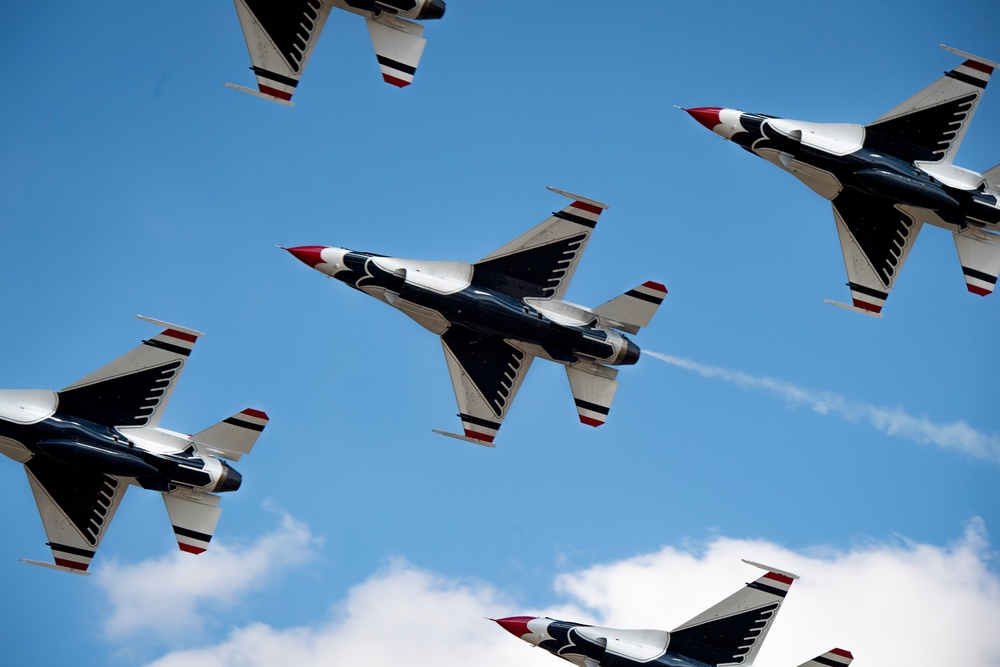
(707, 116)
(308, 254)
(515, 625)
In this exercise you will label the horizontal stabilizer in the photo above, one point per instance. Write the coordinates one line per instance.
(233, 437)
(53, 566)
(992, 178)
(838, 657)
(979, 254)
(475, 441)
(635, 308)
(593, 388)
(194, 517)
(398, 47)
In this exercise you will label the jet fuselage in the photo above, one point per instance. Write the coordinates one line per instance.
(71, 440)
(461, 302)
(414, 9)
(582, 644)
(830, 158)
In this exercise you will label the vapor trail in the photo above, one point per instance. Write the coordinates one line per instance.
(957, 435)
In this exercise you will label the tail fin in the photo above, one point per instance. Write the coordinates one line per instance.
(732, 631)
(838, 657)
(635, 308)
(233, 437)
(979, 254)
(194, 517)
(593, 388)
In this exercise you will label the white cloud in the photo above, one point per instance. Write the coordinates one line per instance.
(170, 594)
(892, 603)
(897, 422)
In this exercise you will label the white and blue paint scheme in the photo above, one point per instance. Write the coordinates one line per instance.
(728, 633)
(886, 179)
(495, 316)
(280, 37)
(83, 446)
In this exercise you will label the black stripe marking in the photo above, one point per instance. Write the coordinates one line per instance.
(979, 275)
(274, 76)
(176, 349)
(593, 407)
(645, 297)
(868, 291)
(767, 589)
(193, 534)
(827, 661)
(395, 64)
(70, 550)
(965, 78)
(478, 421)
(242, 424)
(580, 220)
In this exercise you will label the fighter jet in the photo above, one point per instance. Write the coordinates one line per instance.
(495, 316)
(888, 178)
(281, 35)
(84, 445)
(730, 633)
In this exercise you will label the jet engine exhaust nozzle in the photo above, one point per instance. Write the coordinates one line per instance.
(432, 10)
(229, 480)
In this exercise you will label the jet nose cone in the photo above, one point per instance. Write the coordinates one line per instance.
(515, 625)
(308, 254)
(432, 10)
(707, 116)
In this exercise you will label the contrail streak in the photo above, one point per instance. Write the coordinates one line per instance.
(957, 436)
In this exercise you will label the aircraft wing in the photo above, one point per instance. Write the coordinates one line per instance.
(486, 372)
(280, 37)
(541, 262)
(732, 631)
(133, 390)
(76, 506)
(929, 126)
(875, 237)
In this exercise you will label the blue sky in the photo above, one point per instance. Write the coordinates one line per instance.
(134, 182)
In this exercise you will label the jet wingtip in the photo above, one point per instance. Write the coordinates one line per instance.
(864, 311)
(475, 441)
(53, 566)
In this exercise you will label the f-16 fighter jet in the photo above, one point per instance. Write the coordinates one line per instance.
(730, 633)
(281, 35)
(495, 316)
(888, 178)
(84, 445)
